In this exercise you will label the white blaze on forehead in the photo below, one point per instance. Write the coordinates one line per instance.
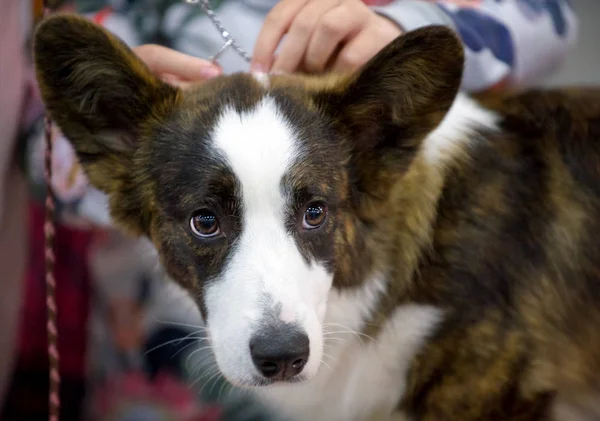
(260, 148)
(266, 274)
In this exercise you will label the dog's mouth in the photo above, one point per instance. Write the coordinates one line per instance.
(257, 382)
(261, 382)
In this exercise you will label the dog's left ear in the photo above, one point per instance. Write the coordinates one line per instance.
(389, 105)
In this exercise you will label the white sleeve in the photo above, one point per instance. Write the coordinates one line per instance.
(518, 42)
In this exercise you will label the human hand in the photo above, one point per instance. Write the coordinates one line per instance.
(321, 35)
(176, 68)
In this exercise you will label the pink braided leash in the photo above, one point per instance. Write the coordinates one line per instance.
(49, 232)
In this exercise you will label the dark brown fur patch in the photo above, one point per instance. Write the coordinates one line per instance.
(515, 264)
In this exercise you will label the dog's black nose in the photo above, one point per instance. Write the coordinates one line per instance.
(280, 354)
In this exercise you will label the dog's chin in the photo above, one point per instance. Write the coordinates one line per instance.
(256, 381)
(261, 382)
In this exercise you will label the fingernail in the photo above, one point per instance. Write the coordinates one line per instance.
(258, 67)
(209, 72)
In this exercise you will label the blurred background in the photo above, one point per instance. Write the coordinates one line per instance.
(582, 65)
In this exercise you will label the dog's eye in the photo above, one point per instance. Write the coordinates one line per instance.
(204, 224)
(314, 215)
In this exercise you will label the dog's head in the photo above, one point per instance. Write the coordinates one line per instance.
(256, 190)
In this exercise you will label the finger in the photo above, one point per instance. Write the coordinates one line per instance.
(164, 60)
(175, 81)
(356, 53)
(296, 41)
(170, 79)
(182, 84)
(339, 24)
(276, 24)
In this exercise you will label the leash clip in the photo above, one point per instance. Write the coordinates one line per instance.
(221, 51)
(227, 37)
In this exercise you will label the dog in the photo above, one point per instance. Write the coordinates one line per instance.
(370, 245)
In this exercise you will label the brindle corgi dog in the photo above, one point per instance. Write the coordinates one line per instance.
(374, 244)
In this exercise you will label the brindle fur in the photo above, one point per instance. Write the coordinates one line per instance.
(503, 238)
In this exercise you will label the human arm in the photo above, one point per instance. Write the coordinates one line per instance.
(507, 43)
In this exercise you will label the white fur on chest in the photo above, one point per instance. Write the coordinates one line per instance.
(359, 376)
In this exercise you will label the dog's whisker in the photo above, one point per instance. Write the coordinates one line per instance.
(203, 362)
(180, 324)
(348, 330)
(205, 358)
(224, 386)
(215, 381)
(194, 352)
(217, 373)
(339, 325)
(360, 322)
(183, 348)
(336, 332)
(325, 364)
(172, 341)
(358, 335)
(210, 370)
(331, 342)
(335, 339)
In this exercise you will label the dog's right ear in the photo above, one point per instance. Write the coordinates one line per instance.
(101, 95)
(106, 102)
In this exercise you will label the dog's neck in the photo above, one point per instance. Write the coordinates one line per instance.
(405, 231)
